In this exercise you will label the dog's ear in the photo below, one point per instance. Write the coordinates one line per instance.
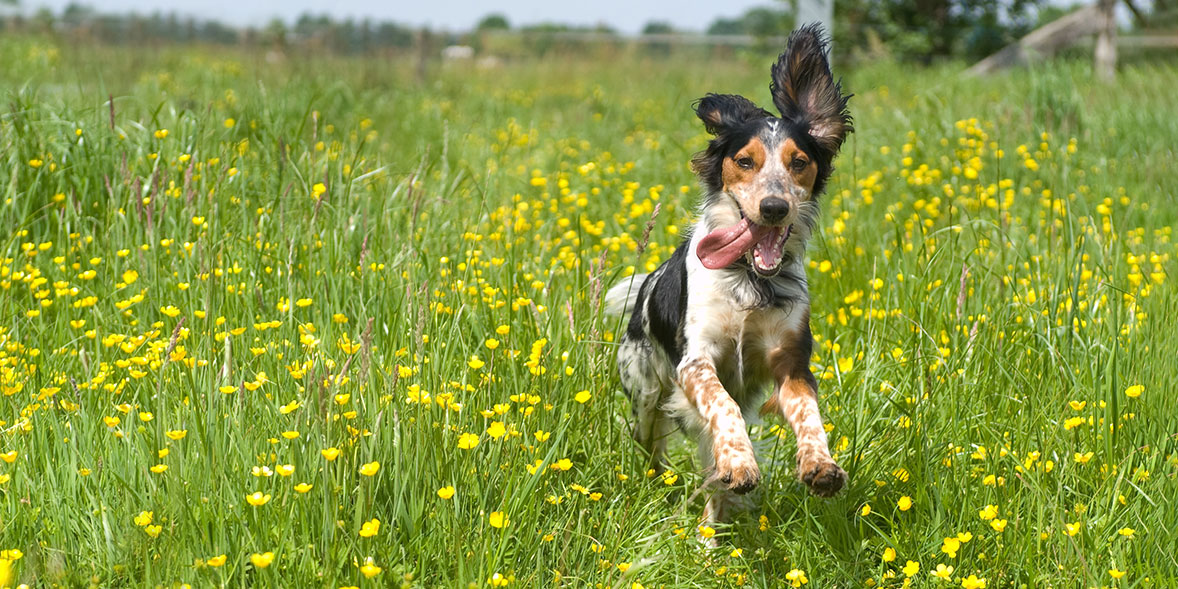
(722, 112)
(805, 91)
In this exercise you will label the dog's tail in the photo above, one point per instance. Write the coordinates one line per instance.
(621, 298)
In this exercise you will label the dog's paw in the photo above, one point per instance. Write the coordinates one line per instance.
(823, 476)
(738, 471)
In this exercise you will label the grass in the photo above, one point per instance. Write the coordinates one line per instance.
(236, 266)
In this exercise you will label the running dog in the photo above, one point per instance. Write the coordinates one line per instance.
(727, 317)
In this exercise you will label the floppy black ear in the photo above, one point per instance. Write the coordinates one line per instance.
(723, 112)
(805, 91)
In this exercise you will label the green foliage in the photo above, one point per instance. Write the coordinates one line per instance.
(238, 265)
(927, 29)
(493, 22)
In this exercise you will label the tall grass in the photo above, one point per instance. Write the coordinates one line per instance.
(229, 267)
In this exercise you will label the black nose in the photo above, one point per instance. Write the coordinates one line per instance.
(774, 209)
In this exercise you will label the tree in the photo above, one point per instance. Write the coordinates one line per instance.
(275, 33)
(756, 22)
(929, 29)
(494, 22)
(658, 27)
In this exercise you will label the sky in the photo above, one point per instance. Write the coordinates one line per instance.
(627, 16)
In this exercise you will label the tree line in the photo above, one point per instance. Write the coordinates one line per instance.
(915, 30)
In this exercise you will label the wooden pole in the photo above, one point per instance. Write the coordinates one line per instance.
(1105, 56)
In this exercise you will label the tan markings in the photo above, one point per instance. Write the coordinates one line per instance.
(735, 463)
(796, 399)
(731, 171)
(806, 171)
(754, 174)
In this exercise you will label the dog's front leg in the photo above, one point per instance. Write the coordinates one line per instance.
(796, 399)
(722, 423)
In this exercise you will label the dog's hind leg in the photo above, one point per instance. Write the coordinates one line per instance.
(641, 381)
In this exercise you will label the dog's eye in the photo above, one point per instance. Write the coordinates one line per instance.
(745, 162)
(798, 164)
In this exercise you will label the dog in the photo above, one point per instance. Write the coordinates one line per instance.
(727, 316)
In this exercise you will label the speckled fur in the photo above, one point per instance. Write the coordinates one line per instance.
(704, 346)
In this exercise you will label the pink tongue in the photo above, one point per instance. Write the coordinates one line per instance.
(725, 245)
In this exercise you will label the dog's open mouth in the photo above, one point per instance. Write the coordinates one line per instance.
(764, 246)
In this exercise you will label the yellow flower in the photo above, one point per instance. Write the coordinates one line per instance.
(497, 430)
(475, 362)
(262, 560)
(1127, 532)
(911, 568)
(303, 487)
(942, 572)
(9, 456)
(866, 511)
(153, 531)
(216, 561)
(257, 499)
(1073, 528)
(369, 569)
(370, 469)
(583, 397)
(446, 492)
(370, 528)
(498, 519)
(999, 525)
(161, 133)
(144, 518)
(707, 531)
(988, 512)
(227, 389)
(973, 582)
(491, 343)
(330, 453)
(1116, 574)
(951, 546)
(159, 468)
(176, 434)
(889, 554)
(285, 469)
(1134, 391)
(305, 302)
(796, 578)
(467, 441)
(905, 503)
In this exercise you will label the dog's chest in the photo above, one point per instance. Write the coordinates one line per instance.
(740, 340)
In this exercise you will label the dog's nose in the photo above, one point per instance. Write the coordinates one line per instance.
(774, 209)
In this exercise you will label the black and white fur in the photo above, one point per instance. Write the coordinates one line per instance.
(690, 325)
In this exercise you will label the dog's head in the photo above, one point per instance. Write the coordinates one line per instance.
(772, 168)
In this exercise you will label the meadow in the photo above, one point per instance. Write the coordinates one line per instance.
(315, 322)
